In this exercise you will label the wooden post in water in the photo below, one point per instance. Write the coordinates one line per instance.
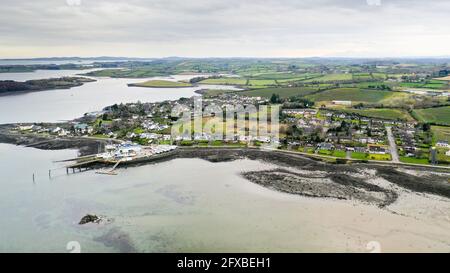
(50, 174)
(33, 178)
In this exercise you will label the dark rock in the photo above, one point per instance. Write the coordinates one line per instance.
(90, 218)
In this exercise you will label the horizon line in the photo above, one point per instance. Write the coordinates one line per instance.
(228, 57)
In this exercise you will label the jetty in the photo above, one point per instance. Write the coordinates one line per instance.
(121, 154)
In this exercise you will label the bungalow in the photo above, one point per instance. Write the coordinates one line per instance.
(442, 144)
(360, 150)
(325, 146)
(377, 149)
(26, 127)
(342, 102)
(149, 136)
(82, 128)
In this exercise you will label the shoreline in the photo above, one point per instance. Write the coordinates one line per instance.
(77, 82)
(344, 181)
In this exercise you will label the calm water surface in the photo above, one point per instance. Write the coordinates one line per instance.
(201, 206)
(67, 104)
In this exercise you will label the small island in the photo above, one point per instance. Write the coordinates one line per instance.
(14, 87)
(161, 84)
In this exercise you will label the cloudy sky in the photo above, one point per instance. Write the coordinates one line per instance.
(205, 28)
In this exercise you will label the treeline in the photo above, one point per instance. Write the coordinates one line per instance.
(40, 85)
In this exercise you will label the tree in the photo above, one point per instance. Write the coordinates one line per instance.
(426, 127)
(275, 98)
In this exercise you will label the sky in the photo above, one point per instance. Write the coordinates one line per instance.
(226, 28)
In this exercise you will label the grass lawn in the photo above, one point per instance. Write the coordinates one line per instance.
(385, 157)
(353, 94)
(437, 115)
(325, 152)
(161, 83)
(414, 160)
(359, 155)
(338, 153)
(306, 150)
(284, 92)
(442, 157)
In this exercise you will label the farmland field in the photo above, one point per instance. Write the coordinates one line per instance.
(437, 115)
(261, 82)
(353, 94)
(440, 133)
(332, 77)
(282, 92)
(362, 76)
(161, 83)
(225, 81)
(277, 76)
(379, 76)
(432, 84)
(443, 78)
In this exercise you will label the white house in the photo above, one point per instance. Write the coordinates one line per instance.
(442, 144)
(342, 102)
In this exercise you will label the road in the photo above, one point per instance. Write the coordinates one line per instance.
(392, 145)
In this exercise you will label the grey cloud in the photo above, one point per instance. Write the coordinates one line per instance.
(224, 28)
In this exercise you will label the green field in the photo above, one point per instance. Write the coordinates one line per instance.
(353, 94)
(276, 76)
(430, 84)
(126, 73)
(362, 76)
(331, 78)
(358, 155)
(379, 76)
(440, 133)
(437, 115)
(161, 84)
(225, 81)
(284, 92)
(261, 82)
(383, 113)
(339, 153)
(216, 92)
(413, 160)
(380, 157)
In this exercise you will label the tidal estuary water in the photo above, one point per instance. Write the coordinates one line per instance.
(67, 104)
(182, 205)
(188, 205)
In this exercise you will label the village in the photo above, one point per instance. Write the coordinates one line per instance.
(311, 131)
